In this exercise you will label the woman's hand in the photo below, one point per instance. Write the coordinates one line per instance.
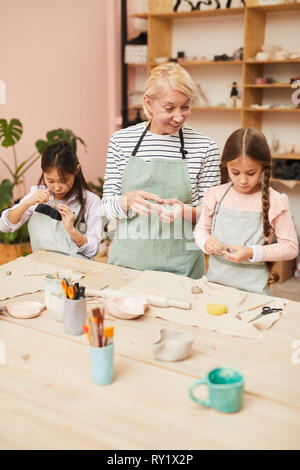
(170, 215)
(67, 217)
(41, 196)
(138, 201)
(214, 246)
(241, 253)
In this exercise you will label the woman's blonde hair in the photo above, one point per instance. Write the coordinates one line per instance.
(172, 75)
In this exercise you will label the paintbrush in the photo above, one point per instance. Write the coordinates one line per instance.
(99, 322)
(86, 329)
(93, 332)
(108, 335)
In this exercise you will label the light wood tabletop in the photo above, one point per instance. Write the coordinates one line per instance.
(49, 400)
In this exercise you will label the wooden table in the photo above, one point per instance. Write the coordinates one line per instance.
(49, 401)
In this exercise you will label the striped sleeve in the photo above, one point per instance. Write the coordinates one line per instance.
(210, 172)
(113, 183)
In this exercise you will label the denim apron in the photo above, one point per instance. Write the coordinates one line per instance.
(49, 234)
(239, 228)
(145, 242)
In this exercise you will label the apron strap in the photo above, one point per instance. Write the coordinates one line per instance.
(184, 152)
(218, 206)
(140, 140)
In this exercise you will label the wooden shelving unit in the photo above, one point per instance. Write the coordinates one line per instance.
(272, 110)
(287, 156)
(270, 85)
(160, 25)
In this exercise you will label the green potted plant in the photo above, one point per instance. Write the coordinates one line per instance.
(17, 243)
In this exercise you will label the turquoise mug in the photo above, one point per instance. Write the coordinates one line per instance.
(102, 362)
(225, 386)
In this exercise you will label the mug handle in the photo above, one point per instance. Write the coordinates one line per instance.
(196, 384)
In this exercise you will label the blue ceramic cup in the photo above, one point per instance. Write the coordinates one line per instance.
(102, 361)
(225, 386)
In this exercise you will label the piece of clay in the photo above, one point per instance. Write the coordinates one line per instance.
(197, 290)
(172, 345)
(216, 309)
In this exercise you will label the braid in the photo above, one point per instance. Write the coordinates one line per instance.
(273, 276)
(266, 201)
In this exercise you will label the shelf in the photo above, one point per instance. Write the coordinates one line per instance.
(271, 85)
(142, 16)
(199, 63)
(132, 64)
(197, 108)
(278, 180)
(287, 156)
(276, 110)
(214, 108)
(260, 62)
(198, 13)
(223, 108)
(279, 7)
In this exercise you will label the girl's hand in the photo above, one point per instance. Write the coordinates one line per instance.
(214, 246)
(40, 197)
(67, 217)
(173, 201)
(241, 253)
(170, 215)
(138, 202)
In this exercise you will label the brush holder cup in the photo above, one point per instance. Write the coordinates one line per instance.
(74, 316)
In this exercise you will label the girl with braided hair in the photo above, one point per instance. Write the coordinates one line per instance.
(245, 225)
(63, 214)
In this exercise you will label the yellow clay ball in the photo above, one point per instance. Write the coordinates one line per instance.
(216, 309)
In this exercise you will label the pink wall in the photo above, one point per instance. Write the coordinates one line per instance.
(60, 61)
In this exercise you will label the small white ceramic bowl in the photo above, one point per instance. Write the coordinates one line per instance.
(126, 308)
(24, 309)
(172, 345)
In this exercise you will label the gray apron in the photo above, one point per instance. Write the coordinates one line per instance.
(145, 242)
(239, 228)
(50, 235)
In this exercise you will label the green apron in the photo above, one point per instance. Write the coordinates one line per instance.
(240, 228)
(49, 234)
(145, 242)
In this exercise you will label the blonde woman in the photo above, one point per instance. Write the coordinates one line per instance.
(156, 174)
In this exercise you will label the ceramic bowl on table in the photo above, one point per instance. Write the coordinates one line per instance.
(126, 308)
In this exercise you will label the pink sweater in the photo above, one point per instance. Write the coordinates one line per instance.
(280, 219)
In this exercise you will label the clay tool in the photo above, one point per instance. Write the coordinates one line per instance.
(154, 300)
(265, 311)
(65, 285)
(72, 292)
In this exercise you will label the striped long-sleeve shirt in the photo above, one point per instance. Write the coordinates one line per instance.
(202, 161)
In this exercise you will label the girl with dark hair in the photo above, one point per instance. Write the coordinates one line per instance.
(63, 214)
(245, 225)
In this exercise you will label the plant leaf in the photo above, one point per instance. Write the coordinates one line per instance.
(10, 133)
(55, 136)
(6, 194)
